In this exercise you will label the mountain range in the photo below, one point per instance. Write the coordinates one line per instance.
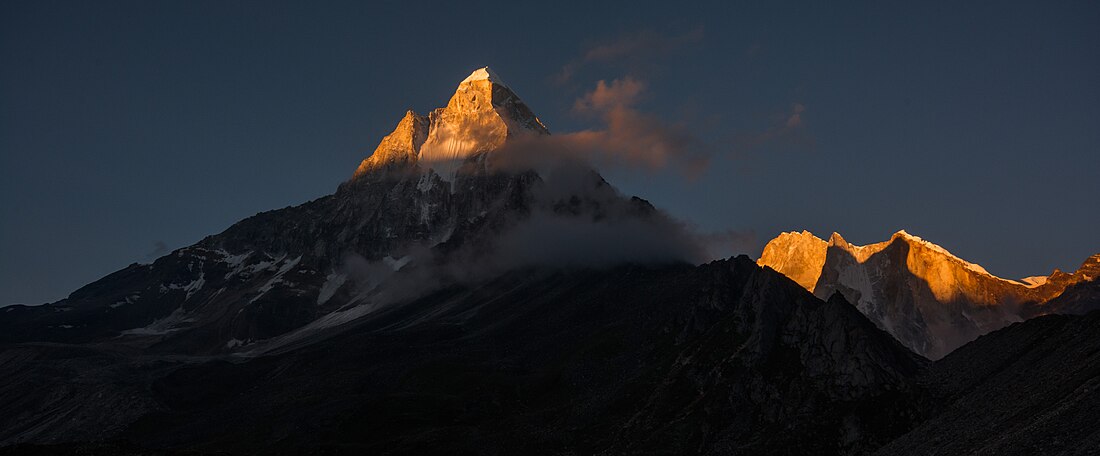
(465, 292)
(930, 300)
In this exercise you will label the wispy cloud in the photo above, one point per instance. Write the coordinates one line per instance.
(632, 49)
(787, 131)
(574, 219)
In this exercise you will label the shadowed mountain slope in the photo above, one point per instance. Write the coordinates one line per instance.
(723, 358)
(1030, 388)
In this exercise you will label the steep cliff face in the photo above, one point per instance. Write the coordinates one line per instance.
(399, 149)
(799, 256)
(931, 300)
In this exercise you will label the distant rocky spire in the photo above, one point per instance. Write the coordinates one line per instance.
(400, 147)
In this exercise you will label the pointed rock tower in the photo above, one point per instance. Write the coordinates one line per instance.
(400, 147)
(482, 114)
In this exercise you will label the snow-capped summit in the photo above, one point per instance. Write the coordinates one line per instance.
(482, 114)
(836, 239)
(936, 248)
(485, 74)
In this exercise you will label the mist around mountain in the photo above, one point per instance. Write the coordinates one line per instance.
(430, 207)
(477, 287)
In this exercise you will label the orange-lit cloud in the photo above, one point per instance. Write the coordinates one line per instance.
(625, 137)
(621, 92)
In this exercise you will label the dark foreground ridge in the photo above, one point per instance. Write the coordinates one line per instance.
(724, 357)
(1030, 388)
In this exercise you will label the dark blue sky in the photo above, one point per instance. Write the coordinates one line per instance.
(126, 127)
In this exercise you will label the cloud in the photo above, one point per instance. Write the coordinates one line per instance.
(727, 243)
(787, 131)
(634, 49)
(625, 136)
(579, 220)
(632, 137)
(621, 92)
(159, 250)
(646, 42)
(573, 219)
(550, 239)
(795, 120)
(628, 136)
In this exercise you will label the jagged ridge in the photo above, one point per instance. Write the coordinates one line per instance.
(930, 299)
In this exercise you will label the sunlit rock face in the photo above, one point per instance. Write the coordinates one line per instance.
(929, 299)
(399, 148)
(481, 115)
(799, 256)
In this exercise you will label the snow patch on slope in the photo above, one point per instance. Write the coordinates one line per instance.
(332, 283)
(234, 262)
(330, 320)
(162, 326)
(195, 285)
(397, 264)
(129, 300)
(1034, 281)
(191, 288)
(277, 279)
(484, 74)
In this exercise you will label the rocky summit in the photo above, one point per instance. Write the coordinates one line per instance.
(441, 303)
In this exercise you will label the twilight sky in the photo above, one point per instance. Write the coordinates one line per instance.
(128, 129)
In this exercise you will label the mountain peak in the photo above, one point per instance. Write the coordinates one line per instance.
(917, 240)
(485, 74)
(837, 239)
(482, 114)
(399, 147)
(796, 255)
